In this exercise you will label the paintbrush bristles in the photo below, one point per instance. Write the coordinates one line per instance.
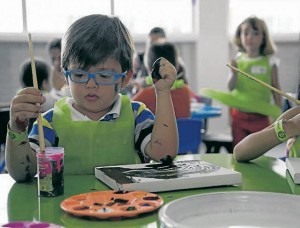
(265, 84)
(35, 84)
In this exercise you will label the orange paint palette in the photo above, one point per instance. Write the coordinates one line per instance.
(111, 204)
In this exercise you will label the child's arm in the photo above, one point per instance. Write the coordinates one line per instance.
(232, 77)
(164, 139)
(275, 83)
(20, 158)
(258, 143)
(255, 145)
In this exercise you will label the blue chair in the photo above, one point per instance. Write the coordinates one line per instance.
(189, 132)
(2, 166)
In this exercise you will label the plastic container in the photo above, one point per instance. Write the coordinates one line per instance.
(50, 171)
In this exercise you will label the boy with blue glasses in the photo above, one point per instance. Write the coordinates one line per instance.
(96, 126)
(104, 77)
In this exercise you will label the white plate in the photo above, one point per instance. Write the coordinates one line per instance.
(232, 209)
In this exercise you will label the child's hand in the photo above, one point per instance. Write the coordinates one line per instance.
(233, 63)
(23, 107)
(167, 73)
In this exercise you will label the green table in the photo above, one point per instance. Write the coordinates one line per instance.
(19, 201)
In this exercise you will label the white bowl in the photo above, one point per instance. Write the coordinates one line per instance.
(232, 209)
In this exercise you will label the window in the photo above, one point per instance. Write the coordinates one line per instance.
(11, 17)
(140, 16)
(175, 16)
(281, 17)
(55, 16)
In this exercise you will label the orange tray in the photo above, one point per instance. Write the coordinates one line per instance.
(111, 204)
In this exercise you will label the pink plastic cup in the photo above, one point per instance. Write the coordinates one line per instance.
(50, 171)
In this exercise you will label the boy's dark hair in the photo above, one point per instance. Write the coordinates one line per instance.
(165, 49)
(95, 38)
(158, 30)
(42, 73)
(55, 43)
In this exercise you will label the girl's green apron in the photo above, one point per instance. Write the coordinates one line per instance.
(89, 144)
(260, 69)
(249, 96)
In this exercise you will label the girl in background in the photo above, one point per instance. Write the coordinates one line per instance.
(256, 57)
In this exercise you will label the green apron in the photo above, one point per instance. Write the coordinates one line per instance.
(89, 144)
(259, 68)
(249, 96)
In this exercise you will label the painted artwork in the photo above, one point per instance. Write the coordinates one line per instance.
(164, 177)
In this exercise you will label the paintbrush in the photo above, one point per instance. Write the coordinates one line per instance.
(35, 84)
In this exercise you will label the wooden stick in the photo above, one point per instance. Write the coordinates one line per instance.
(265, 84)
(35, 84)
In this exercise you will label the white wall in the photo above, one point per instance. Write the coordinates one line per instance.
(212, 53)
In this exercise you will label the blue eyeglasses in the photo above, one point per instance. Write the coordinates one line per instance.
(105, 77)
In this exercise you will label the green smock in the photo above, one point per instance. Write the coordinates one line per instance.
(89, 144)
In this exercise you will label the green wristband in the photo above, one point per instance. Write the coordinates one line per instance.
(20, 137)
(280, 133)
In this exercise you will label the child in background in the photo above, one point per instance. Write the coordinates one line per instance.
(54, 51)
(140, 70)
(58, 83)
(256, 58)
(42, 73)
(287, 127)
(96, 126)
(44, 80)
(180, 92)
